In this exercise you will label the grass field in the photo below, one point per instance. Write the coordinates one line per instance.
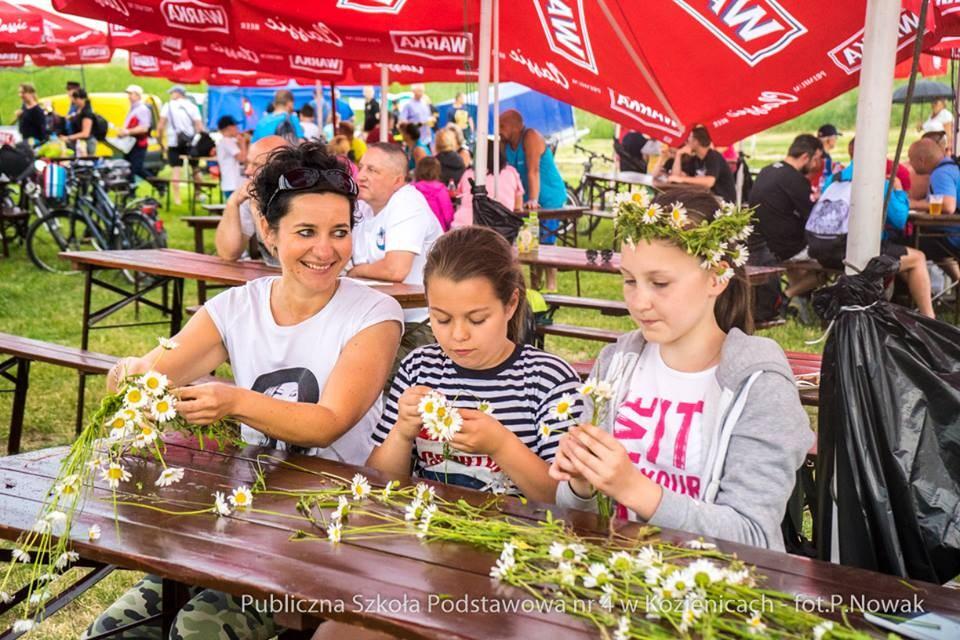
(48, 307)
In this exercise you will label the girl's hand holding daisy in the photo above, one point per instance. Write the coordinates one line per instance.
(409, 418)
(480, 433)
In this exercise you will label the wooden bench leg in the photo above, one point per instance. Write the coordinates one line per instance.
(81, 392)
(19, 406)
(174, 596)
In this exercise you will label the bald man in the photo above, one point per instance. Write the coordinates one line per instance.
(240, 214)
(417, 110)
(928, 159)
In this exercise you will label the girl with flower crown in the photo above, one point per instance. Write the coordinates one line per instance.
(706, 430)
(512, 401)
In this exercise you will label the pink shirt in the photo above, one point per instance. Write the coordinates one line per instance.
(508, 188)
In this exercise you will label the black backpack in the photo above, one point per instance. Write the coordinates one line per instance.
(203, 147)
(286, 131)
(487, 212)
(100, 127)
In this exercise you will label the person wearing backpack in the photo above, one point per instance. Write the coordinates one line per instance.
(180, 119)
(826, 232)
(83, 125)
(282, 122)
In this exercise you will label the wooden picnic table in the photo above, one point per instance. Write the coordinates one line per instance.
(252, 554)
(940, 226)
(193, 187)
(213, 209)
(574, 259)
(164, 266)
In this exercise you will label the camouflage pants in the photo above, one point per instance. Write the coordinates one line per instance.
(209, 615)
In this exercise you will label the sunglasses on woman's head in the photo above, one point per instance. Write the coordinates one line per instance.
(303, 178)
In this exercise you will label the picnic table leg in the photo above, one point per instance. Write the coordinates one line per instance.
(81, 393)
(175, 595)
(176, 306)
(19, 405)
(87, 289)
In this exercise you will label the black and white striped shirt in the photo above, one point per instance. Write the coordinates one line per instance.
(522, 392)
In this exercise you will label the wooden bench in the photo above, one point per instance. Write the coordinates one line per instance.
(605, 307)
(574, 331)
(22, 351)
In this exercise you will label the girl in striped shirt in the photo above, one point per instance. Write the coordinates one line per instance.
(515, 400)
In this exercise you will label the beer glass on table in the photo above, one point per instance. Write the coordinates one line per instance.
(936, 204)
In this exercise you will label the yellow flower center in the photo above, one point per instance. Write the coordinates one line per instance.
(240, 498)
(115, 473)
(429, 408)
(153, 383)
(68, 489)
(637, 197)
(441, 412)
(117, 423)
(563, 407)
(163, 406)
(134, 395)
(146, 431)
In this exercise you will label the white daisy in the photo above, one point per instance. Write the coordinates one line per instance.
(485, 407)
(342, 510)
(359, 487)
(334, 531)
(701, 545)
(822, 630)
(413, 510)
(69, 485)
(430, 403)
(691, 611)
(745, 232)
(424, 492)
(163, 409)
(545, 430)
(564, 407)
(93, 533)
(388, 490)
(5, 597)
(622, 632)
(755, 624)
(649, 557)
(741, 576)
(220, 505)
(147, 433)
(652, 213)
(606, 599)
(118, 423)
(134, 397)
(167, 344)
(678, 215)
(622, 562)
(423, 528)
(445, 428)
(505, 563)
(114, 475)
(676, 585)
(169, 476)
(66, 558)
(132, 415)
(739, 254)
(22, 626)
(598, 575)
(652, 575)
(604, 391)
(725, 275)
(19, 555)
(588, 387)
(567, 552)
(568, 574)
(154, 383)
(241, 498)
(704, 572)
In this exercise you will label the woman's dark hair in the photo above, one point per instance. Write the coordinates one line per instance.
(502, 158)
(311, 155)
(480, 252)
(427, 169)
(732, 308)
(79, 93)
(411, 130)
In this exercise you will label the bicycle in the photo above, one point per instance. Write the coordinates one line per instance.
(91, 222)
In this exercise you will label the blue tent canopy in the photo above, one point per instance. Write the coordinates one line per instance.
(549, 116)
(223, 101)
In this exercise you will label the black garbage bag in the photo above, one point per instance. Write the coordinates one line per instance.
(487, 212)
(890, 430)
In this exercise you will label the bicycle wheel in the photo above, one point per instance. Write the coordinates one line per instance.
(58, 231)
(138, 232)
(573, 199)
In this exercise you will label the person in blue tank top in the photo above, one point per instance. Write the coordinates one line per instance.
(528, 153)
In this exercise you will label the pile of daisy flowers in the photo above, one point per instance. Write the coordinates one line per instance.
(628, 587)
(718, 242)
(128, 423)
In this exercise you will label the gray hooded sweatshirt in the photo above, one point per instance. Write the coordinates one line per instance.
(756, 435)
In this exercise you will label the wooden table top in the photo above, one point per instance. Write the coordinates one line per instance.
(556, 214)
(576, 259)
(175, 263)
(624, 177)
(203, 222)
(253, 554)
(922, 218)
(213, 208)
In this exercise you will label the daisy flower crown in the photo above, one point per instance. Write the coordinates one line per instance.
(715, 241)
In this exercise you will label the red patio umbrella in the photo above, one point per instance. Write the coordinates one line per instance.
(72, 43)
(11, 59)
(21, 31)
(151, 44)
(183, 71)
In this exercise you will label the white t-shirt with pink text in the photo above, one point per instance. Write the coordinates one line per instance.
(660, 422)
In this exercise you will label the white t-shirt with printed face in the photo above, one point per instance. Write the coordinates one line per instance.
(660, 423)
(228, 159)
(294, 362)
(405, 224)
(180, 115)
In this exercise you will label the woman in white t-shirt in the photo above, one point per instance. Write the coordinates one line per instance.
(310, 351)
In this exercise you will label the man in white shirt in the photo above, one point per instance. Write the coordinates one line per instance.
(180, 121)
(231, 153)
(392, 240)
(240, 214)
